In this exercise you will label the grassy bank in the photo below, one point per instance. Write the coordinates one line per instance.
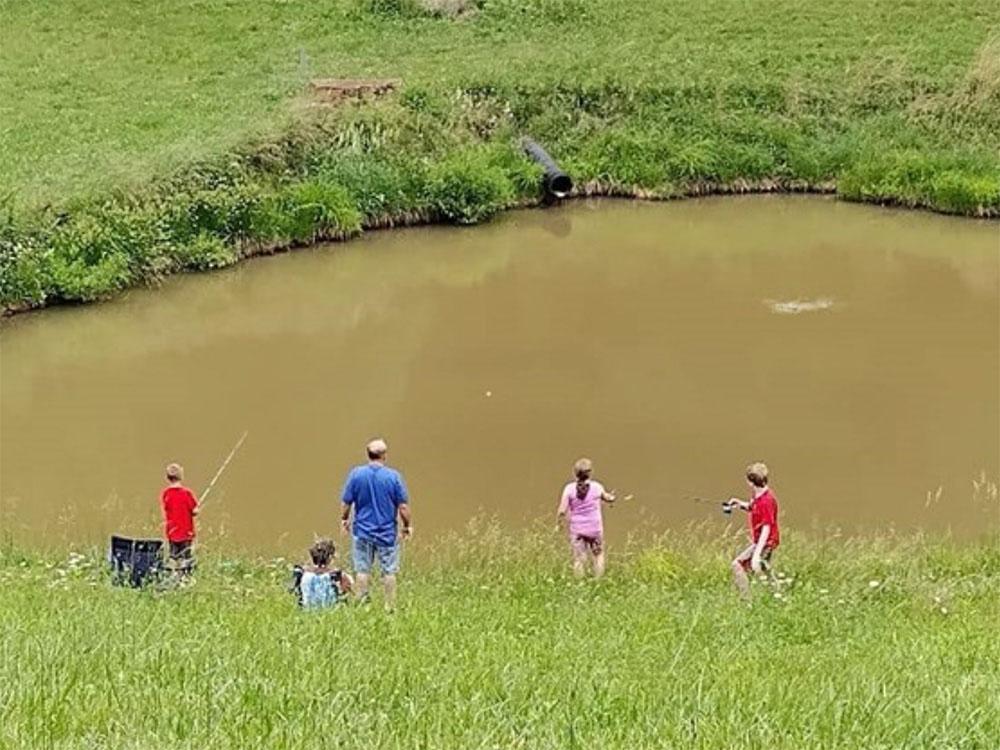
(138, 142)
(877, 644)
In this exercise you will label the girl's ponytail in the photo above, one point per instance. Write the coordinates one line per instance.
(582, 469)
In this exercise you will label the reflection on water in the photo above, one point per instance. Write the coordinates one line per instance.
(643, 335)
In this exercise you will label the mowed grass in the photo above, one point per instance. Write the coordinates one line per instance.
(885, 643)
(97, 94)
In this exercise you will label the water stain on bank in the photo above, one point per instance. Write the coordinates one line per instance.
(643, 335)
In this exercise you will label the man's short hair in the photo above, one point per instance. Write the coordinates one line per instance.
(175, 472)
(757, 474)
(376, 448)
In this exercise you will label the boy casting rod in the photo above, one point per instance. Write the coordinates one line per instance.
(204, 495)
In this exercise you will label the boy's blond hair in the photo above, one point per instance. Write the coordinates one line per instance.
(757, 474)
(175, 472)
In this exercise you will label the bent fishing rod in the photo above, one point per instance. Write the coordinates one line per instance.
(204, 495)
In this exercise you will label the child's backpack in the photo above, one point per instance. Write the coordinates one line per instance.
(315, 590)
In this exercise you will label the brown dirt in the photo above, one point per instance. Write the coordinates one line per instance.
(333, 91)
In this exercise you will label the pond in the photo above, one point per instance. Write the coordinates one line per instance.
(854, 349)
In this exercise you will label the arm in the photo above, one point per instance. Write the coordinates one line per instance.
(562, 510)
(347, 498)
(346, 583)
(758, 551)
(404, 515)
(608, 497)
(735, 502)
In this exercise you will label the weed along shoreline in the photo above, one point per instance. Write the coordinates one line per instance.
(128, 242)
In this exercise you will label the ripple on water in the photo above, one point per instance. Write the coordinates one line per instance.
(796, 306)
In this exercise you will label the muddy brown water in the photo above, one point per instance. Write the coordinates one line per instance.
(855, 349)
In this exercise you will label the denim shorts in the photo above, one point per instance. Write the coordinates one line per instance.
(364, 552)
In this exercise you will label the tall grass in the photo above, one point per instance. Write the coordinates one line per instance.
(885, 643)
(194, 145)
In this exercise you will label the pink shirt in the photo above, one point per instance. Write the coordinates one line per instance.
(585, 514)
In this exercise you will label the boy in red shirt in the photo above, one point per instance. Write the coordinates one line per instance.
(179, 509)
(764, 534)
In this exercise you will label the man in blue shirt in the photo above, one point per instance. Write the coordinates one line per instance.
(378, 495)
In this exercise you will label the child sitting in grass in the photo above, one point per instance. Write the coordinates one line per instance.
(318, 585)
(581, 501)
(764, 534)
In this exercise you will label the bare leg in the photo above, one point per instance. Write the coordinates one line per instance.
(389, 584)
(579, 560)
(599, 564)
(361, 585)
(741, 580)
(772, 579)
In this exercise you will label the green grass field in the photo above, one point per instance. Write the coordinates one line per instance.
(138, 140)
(873, 644)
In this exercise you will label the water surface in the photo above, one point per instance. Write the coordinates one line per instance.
(855, 349)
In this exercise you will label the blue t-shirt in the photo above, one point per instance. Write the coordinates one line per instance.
(376, 492)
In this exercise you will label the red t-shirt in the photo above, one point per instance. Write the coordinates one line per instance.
(764, 511)
(178, 513)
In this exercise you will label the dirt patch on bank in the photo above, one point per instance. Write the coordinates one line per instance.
(334, 91)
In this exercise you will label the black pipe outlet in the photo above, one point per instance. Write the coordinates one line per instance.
(557, 183)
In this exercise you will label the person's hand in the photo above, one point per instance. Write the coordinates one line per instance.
(406, 532)
(345, 525)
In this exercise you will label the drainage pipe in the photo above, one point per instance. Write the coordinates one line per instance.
(557, 183)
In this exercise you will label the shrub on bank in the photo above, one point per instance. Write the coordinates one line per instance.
(203, 252)
(912, 178)
(382, 190)
(315, 209)
(467, 188)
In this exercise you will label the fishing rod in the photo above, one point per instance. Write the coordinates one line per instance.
(204, 495)
(726, 506)
(614, 493)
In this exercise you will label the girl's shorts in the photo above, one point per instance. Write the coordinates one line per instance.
(588, 543)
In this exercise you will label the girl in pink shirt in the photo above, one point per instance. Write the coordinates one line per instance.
(581, 501)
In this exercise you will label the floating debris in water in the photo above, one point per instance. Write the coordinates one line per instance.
(796, 306)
